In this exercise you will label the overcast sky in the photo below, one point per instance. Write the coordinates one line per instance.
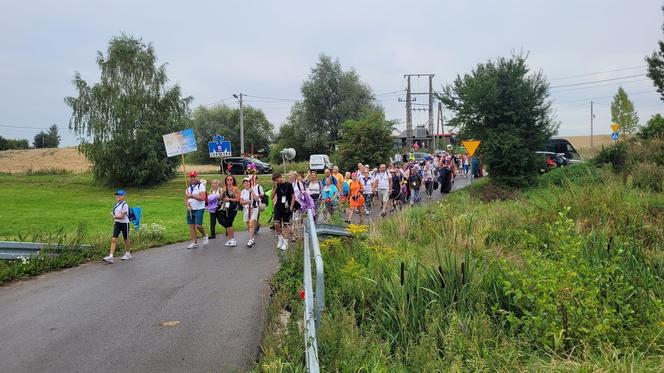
(267, 48)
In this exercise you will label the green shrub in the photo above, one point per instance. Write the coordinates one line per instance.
(576, 291)
(583, 173)
(649, 176)
(618, 155)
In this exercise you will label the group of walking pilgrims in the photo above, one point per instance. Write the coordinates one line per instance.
(404, 182)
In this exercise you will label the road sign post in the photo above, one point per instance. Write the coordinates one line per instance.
(220, 148)
(471, 147)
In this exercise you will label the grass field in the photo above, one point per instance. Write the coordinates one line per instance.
(38, 204)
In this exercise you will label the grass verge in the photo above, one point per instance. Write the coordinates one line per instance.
(566, 276)
(71, 209)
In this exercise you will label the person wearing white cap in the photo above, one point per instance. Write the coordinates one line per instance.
(250, 200)
(120, 214)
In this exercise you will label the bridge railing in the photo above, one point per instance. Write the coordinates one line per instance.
(314, 302)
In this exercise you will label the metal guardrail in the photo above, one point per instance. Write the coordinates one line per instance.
(10, 250)
(314, 302)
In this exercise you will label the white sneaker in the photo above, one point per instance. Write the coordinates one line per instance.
(126, 256)
(228, 243)
(205, 240)
(232, 243)
(367, 212)
(284, 247)
(108, 259)
(251, 243)
(280, 242)
(193, 245)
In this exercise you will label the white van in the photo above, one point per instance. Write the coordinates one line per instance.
(319, 162)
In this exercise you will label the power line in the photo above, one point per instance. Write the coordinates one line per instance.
(218, 102)
(601, 97)
(598, 72)
(602, 85)
(390, 93)
(273, 98)
(598, 81)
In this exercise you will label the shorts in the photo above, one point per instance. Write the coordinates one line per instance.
(383, 195)
(121, 228)
(282, 214)
(250, 213)
(195, 217)
(226, 218)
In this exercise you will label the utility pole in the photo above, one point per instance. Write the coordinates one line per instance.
(431, 105)
(440, 122)
(592, 118)
(409, 107)
(241, 125)
(409, 118)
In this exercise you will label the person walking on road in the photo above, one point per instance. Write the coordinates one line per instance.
(368, 189)
(249, 200)
(314, 187)
(338, 177)
(356, 198)
(284, 202)
(229, 202)
(195, 203)
(120, 215)
(214, 200)
(329, 197)
(383, 184)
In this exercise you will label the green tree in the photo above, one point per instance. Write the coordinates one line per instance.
(653, 128)
(331, 97)
(225, 121)
(367, 140)
(124, 116)
(655, 64)
(506, 107)
(10, 144)
(50, 139)
(622, 112)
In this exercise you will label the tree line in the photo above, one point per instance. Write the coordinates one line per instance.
(49, 139)
(501, 102)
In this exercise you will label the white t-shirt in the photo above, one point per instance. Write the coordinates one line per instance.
(246, 196)
(367, 183)
(383, 180)
(314, 187)
(121, 207)
(199, 191)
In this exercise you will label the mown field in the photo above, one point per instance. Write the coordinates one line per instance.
(564, 276)
(71, 208)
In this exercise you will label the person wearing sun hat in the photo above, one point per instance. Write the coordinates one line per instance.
(195, 203)
(120, 214)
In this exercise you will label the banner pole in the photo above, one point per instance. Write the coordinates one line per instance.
(186, 184)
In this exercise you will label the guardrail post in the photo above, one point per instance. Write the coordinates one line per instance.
(310, 324)
(319, 299)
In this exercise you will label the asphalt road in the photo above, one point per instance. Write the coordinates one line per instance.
(107, 317)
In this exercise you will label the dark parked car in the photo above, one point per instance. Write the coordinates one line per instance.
(564, 147)
(239, 165)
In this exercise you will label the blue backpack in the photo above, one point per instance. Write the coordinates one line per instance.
(130, 213)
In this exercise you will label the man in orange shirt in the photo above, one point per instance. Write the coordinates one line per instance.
(339, 176)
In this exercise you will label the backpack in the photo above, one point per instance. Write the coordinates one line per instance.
(130, 211)
(262, 195)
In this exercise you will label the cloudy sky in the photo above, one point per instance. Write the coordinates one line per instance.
(267, 48)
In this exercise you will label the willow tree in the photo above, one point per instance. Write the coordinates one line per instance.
(121, 119)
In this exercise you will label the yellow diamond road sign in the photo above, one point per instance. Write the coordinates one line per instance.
(615, 127)
(471, 146)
